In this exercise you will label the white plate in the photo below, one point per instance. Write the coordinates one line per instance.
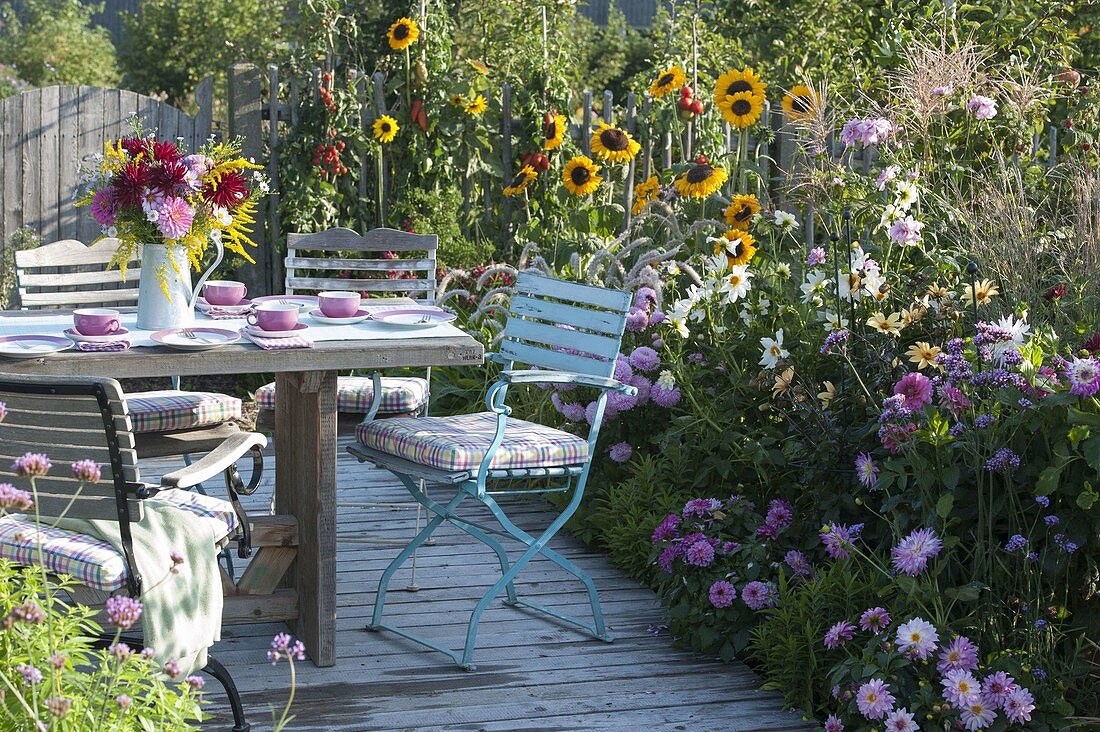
(77, 337)
(261, 333)
(408, 318)
(320, 317)
(33, 346)
(204, 340)
(202, 306)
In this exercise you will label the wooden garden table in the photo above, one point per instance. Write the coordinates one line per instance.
(305, 432)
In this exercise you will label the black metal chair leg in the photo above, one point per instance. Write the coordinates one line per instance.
(219, 672)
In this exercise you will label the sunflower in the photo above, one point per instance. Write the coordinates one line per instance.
(553, 131)
(732, 83)
(742, 109)
(613, 145)
(741, 210)
(581, 176)
(522, 179)
(701, 180)
(457, 100)
(385, 128)
(475, 106)
(799, 102)
(669, 80)
(403, 34)
(645, 192)
(738, 246)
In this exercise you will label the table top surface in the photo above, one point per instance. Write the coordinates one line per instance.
(245, 357)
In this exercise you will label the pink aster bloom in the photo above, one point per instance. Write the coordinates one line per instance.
(833, 724)
(874, 620)
(901, 720)
(961, 688)
(982, 107)
(874, 699)
(798, 563)
(977, 715)
(918, 638)
(644, 387)
(916, 391)
(667, 529)
(174, 217)
(839, 634)
(722, 594)
(996, 687)
(1019, 705)
(912, 553)
(104, 209)
(663, 397)
(958, 655)
(839, 539)
(644, 358)
(866, 470)
(700, 554)
(905, 231)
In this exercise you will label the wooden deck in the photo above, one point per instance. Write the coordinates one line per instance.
(532, 673)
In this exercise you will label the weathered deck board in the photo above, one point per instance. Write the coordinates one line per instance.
(533, 674)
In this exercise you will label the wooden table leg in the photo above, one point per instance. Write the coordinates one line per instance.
(305, 486)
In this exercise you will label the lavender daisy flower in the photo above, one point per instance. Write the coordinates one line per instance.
(1018, 706)
(700, 554)
(959, 655)
(32, 465)
(833, 724)
(86, 471)
(839, 539)
(11, 497)
(996, 687)
(644, 358)
(667, 528)
(912, 553)
(758, 595)
(815, 257)
(874, 699)
(874, 620)
(621, 452)
(917, 638)
(984, 421)
(722, 594)
(839, 634)
(960, 688)
(866, 470)
(123, 611)
(798, 563)
(901, 720)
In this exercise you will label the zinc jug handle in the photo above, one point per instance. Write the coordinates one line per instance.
(206, 275)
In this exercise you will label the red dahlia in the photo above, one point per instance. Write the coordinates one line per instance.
(130, 184)
(1092, 345)
(227, 192)
(133, 145)
(165, 151)
(170, 177)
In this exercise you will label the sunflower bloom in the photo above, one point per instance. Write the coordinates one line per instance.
(923, 355)
(581, 176)
(981, 292)
(385, 129)
(522, 179)
(667, 82)
(614, 145)
(701, 180)
(645, 192)
(890, 325)
(799, 103)
(738, 246)
(553, 131)
(403, 33)
(741, 210)
(742, 109)
(476, 106)
(737, 82)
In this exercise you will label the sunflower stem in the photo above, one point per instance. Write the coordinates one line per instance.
(408, 83)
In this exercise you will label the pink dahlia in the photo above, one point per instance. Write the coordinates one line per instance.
(874, 699)
(1083, 375)
(839, 634)
(874, 620)
(722, 594)
(916, 391)
(982, 107)
(912, 553)
(901, 720)
(917, 638)
(961, 688)
(958, 655)
(175, 217)
(104, 208)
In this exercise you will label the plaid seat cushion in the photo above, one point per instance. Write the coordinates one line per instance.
(459, 443)
(91, 561)
(164, 411)
(355, 394)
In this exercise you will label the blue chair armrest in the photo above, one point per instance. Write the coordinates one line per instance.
(538, 376)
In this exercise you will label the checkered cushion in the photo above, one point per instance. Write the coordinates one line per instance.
(459, 443)
(164, 411)
(355, 394)
(91, 561)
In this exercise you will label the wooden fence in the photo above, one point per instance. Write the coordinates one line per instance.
(46, 133)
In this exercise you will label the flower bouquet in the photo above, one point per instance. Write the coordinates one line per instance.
(169, 208)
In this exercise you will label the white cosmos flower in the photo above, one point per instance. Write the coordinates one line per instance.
(773, 350)
(786, 220)
(222, 216)
(736, 284)
(890, 214)
(872, 285)
(907, 194)
(813, 289)
(831, 320)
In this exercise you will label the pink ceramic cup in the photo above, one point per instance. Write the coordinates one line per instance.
(274, 316)
(224, 292)
(339, 304)
(95, 321)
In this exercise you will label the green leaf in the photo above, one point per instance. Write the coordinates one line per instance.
(944, 505)
(1048, 480)
(1090, 448)
(950, 476)
(1087, 498)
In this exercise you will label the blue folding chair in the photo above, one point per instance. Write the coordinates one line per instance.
(570, 334)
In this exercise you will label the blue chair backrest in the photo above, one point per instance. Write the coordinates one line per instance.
(564, 326)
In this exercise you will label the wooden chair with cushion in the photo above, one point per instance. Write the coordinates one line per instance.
(78, 418)
(69, 274)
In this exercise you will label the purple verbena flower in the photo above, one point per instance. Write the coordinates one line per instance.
(32, 465)
(14, 498)
(123, 611)
(1003, 461)
(1015, 543)
(30, 674)
(86, 471)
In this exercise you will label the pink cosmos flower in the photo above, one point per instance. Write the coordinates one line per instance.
(912, 553)
(174, 217)
(982, 107)
(816, 257)
(916, 390)
(906, 231)
(874, 699)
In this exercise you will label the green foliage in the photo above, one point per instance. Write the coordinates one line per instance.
(439, 212)
(169, 46)
(20, 240)
(51, 42)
